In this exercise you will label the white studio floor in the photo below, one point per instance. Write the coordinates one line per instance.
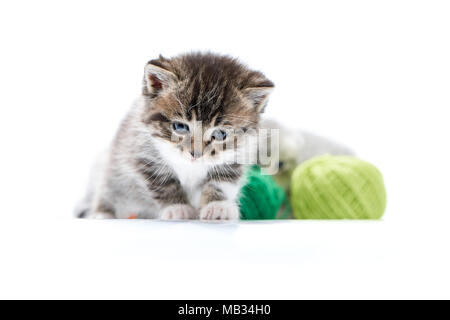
(192, 260)
(372, 75)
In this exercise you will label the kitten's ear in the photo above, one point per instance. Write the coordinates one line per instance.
(157, 78)
(258, 96)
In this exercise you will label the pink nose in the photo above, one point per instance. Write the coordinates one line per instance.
(195, 154)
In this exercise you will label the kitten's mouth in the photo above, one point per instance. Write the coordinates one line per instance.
(196, 160)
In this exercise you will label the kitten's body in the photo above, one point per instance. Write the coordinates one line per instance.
(148, 174)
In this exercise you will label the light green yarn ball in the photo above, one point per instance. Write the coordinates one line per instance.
(337, 187)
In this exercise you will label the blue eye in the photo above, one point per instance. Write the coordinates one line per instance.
(219, 135)
(180, 127)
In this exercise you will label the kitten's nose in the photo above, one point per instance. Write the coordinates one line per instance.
(195, 154)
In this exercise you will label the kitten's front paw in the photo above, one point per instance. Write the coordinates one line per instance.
(177, 212)
(220, 210)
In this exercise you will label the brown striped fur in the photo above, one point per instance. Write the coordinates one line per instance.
(217, 90)
(155, 171)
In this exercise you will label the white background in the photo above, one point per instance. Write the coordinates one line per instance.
(374, 75)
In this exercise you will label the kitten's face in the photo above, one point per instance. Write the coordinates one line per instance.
(205, 107)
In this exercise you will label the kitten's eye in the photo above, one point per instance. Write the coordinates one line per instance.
(218, 135)
(180, 127)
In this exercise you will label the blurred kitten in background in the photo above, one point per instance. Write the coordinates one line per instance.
(297, 146)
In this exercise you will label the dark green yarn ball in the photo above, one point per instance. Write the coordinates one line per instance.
(261, 198)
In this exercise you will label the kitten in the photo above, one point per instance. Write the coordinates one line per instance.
(178, 153)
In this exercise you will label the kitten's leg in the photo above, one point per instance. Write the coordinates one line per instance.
(167, 192)
(219, 201)
(90, 206)
(177, 212)
(101, 210)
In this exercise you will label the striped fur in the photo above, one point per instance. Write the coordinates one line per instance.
(156, 172)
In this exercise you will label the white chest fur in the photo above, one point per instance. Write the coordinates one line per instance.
(191, 174)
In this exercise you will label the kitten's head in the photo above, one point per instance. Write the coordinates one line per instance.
(204, 106)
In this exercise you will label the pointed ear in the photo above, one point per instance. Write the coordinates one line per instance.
(157, 79)
(258, 96)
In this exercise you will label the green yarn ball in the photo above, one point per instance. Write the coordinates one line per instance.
(337, 187)
(261, 198)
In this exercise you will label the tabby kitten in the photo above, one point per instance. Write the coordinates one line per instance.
(182, 150)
